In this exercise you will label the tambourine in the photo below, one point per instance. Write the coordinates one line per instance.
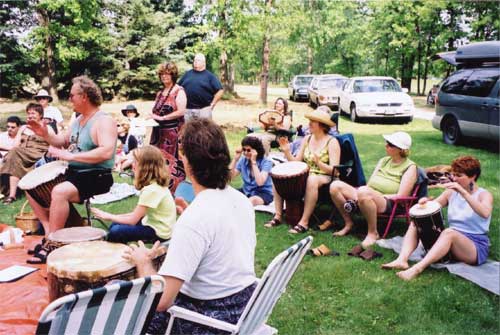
(270, 117)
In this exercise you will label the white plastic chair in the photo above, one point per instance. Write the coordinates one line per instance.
(269, 289)
(122, 308)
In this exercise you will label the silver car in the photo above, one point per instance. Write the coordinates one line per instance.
(325, 89)
(297, 87)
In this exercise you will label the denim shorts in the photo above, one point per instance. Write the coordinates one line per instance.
(482, 244)
(266, 197)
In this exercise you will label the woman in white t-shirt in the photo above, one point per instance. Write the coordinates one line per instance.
(209, 266)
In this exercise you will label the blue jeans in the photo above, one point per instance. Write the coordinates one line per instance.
(124, 233)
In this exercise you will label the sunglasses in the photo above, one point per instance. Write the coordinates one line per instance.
(247, 150)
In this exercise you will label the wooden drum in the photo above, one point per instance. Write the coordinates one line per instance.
(290, 180)
(428, 220)
(66, 236)
(81, 266)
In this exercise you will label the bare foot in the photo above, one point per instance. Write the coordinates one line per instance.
(369, 240)
(396, 264)
(344, 231)
(409, 274)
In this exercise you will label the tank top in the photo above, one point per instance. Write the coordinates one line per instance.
(388, 178)
(168, 104)
(323, 157)
(81, 141)
(462, 217)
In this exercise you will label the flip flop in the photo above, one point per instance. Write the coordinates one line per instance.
(325, 225)
(37, 247)
(370, 254)
(356, 251)
(272, 223)
(39, 257)
(298, 229)
(322, 250)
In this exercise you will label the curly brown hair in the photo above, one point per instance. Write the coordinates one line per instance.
(204, 145)
(150, 167)
(90, 89)
(467, 164)
(169, 68)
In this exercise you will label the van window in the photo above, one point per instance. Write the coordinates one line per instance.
(456, 81)
(480, 83)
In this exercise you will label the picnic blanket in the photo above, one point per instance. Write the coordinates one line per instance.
(118, 191)
(486, 275)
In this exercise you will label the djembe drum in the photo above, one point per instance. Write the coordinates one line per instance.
(428, 220)
(66, 236)
(81, 266)
(290, 181)
(270, 118)
(39, 183)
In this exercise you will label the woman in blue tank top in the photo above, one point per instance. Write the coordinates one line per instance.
(469, 216)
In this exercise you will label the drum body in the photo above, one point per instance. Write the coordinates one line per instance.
(290, 180)
(66, 236)
(40, 182)
(81, 266)
(428, 220)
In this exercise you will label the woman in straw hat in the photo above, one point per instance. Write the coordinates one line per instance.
(321, 152)
(394, 175)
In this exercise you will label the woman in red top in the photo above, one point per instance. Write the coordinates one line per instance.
(168, 111)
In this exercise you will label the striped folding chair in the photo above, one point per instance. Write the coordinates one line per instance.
(269, 289)
(122, 308)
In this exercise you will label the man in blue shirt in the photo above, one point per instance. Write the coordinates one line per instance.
(202, 88)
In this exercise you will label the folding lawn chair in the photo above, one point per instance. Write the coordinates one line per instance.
(269, 289)
(122, 308)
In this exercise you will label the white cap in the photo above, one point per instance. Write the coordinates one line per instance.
(400, 139)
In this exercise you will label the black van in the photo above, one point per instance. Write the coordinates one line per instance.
(467, 104)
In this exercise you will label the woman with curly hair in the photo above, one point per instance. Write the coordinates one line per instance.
(469, 217)
(154, 215)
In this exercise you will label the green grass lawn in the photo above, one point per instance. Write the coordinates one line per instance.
(346, 295)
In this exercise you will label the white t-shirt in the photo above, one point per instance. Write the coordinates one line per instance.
(213, 245)
(5, 141)
(53, 113)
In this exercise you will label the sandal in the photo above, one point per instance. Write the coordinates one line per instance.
(322, 250)
(39, 257)
(298, 229)
(356, 251)
(9, 200)
(325, 225)
(272, 223)
(37, 247)
(370, 254)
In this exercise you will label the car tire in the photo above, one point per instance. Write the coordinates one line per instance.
(354, 116)
(292, 97)
(451, 131)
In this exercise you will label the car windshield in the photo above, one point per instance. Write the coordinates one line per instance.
(332, 83)
(303, 80)
(376, 85)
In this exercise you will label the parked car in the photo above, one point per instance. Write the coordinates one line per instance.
(431, 96)
(376, 97)
(324, 90)
(467, 104)
(297, 87)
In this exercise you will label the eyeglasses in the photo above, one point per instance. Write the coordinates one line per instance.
(390, 145)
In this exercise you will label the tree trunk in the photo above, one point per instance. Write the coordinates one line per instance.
(309, 60)
(419, 58)
(48, 67)
(264, 75)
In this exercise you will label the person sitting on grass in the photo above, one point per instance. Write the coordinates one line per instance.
(125, 145)
(469, 217)
(154, 216)
(254, 169)
(394, 175)
(321, 152)
(209, 267)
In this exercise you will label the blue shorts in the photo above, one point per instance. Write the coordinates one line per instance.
(266, 197)
(482, 244)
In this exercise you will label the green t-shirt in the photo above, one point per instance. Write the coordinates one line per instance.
(160, 214)
(388, 178)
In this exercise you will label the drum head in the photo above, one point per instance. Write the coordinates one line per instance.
(42, 174)
(77, 234)
(269, 116)
(289, 169)
(428, 208)
(91, 261)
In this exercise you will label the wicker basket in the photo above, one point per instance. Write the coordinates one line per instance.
(27, 222)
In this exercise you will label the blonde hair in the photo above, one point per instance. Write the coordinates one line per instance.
(125, 123)
(150, 166)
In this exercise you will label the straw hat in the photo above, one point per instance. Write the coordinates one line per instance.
(43, 94)
(129, 108)
(400, 139)
(320, 115)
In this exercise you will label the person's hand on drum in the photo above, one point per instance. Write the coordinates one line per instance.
(39, 128)
(139, 254)
(283, 142)
(100, 214)
(62, 154)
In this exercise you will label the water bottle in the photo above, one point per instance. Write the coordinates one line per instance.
(350, 206)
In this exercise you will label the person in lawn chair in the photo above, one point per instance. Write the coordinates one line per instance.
(395, 174)
(209, 267)
(321, 152)
(469, 217)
